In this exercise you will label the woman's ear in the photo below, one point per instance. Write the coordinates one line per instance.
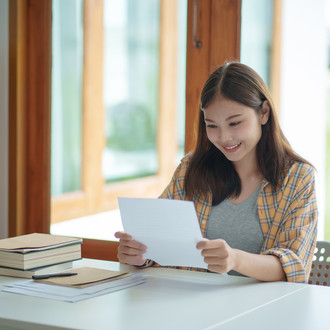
(264, 112)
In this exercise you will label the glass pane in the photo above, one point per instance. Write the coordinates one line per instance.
(256, 35)
(67, 41)
(131, 74)
(131, 101)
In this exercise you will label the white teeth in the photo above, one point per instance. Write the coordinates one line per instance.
(232, 146)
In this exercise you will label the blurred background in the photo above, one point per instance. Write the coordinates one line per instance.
(122, 105)
(298, 30)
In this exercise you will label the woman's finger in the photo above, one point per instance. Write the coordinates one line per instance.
(128, 240)
(132, 260)
(131, 251)
(133, 244)
(123, 235)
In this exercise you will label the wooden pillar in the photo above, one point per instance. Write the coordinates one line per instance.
(30, 112)
(216, 25)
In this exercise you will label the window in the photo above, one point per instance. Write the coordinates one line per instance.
(261, 41)
(117, 119)
(67, 66)
(257, 36)
(218, 27)
(131, 88)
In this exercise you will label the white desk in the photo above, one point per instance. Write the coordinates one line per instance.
(175, 299)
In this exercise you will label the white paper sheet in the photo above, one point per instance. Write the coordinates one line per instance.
(169, 228)
(69, 294)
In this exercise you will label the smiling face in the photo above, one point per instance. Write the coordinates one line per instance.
(235, 129)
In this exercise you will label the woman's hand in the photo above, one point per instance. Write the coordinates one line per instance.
(130, 251)
(219, 256)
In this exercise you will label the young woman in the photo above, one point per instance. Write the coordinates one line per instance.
(254, 196)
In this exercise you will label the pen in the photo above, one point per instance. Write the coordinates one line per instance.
(41, 277)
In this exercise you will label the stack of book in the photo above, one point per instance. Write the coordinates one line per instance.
(37, 254)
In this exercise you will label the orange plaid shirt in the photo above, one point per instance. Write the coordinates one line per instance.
(288, 216)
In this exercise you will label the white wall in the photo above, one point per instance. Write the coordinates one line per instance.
(3, 118)
(304, 85)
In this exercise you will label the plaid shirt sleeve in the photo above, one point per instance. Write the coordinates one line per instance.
(175, 189)
(288, 218)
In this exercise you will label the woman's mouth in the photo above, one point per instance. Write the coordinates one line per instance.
(232, 148)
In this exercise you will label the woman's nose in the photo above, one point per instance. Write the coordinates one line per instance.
(224, 136)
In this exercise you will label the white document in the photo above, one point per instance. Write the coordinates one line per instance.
(69, 294)
(169, 228)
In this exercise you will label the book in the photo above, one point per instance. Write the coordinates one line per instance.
(36, 271)
(35, 250)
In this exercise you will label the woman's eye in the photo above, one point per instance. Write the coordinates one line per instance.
(211, 126)
(234, 123)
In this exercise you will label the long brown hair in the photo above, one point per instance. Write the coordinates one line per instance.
(209, 170)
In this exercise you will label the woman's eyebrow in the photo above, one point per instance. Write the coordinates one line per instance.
(229, 118)
(233, 116)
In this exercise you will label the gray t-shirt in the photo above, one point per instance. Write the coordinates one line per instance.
(238, 225)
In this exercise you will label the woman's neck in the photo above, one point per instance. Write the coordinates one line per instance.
(250, 181)
(248, 169)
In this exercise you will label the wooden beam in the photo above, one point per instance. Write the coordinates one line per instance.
(17, 96)
(168, 69)
(93, 131)
(30, 111)
(217, 25)
(225, 32)
(198, 29)
(38, 116)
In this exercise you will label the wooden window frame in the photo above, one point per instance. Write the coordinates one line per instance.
(219, 30)
(29, 116)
